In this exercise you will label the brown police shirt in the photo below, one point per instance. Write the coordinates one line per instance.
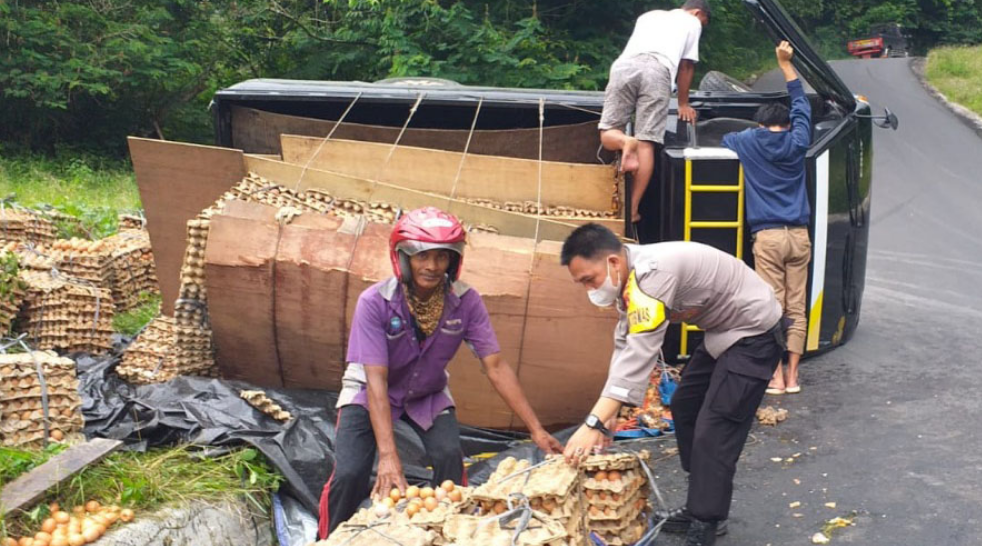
(683, 282)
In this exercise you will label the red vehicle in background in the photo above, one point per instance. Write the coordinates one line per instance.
(884, 40)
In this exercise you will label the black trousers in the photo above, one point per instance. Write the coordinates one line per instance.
(714, 407)
(354, 454)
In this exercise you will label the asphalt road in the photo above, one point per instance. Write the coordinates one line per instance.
(888, 425)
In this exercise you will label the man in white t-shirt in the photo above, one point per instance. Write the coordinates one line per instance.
(663, 48)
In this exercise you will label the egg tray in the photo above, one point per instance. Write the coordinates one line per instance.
(59, 403)
(614, 461)
(624, 537)
(617, 515)
(606, 499)
(263, 403)
(630, 481)
(478, 531)
(551, 480)
(36, 439)
(36, 423)
(533, 207)
(131, 221)
(19, 224)
(397, 533)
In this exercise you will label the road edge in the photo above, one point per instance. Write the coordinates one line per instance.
(968, 117)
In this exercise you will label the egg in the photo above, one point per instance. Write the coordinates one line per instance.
(500, 507)
(90, 535)
(388, 502)
(412, 492)
(62, 517)
(412, 510)
(614, 476)
(430, 503)
(600, 476)
(126, 515)
(455, 495)
(440, 494)
(76, 539)
(10, 542)
(54, 507)
(78, 510)
(426, 492)
(92, 506)
(26, 541)
(395, 494)
(381, 510)
(49, 525)
(589, 494)
(447, 485)
(59, 541)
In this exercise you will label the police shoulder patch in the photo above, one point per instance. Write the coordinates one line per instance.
(644, 313)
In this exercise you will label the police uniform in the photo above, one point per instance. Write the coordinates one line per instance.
(725, 379)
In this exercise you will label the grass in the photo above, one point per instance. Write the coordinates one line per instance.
(957, 72)
(92, 188)
(131, 322)
(144, 481)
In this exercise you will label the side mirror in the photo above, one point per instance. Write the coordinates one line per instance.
(889, 119)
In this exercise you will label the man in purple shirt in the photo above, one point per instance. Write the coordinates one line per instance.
(404, 333)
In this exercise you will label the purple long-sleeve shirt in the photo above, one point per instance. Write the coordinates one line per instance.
(382, 335)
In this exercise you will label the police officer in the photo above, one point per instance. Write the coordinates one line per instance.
(723, 382)
(404, 332)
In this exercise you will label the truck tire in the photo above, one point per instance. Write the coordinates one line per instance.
(721, 83)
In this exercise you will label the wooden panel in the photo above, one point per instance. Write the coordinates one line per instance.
(176, 182)
(508, 223)
(31, 487)
(239, 276)
(256, 131)
(480, 177)
(311, 280)
(492, 267)
(567, 343)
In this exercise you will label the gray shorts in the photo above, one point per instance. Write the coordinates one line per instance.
(638, 85)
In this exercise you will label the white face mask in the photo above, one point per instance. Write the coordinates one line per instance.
(606, 295)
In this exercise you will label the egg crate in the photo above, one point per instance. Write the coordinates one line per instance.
(33, 421)
(607, 499)
(263, 403)
(550, 480)
(131, 221)
(623, 537)
(133, 271)
(55, 402)
(627, 484)
(533, 207)
(14, 385)
(400, 533)
(36, 439)
(615, 516)
(481, 531)
(19, 224)
(615, 461)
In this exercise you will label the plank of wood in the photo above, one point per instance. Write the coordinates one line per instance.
(31, 487)
(256, 131)
(452, 173)
(177, 181)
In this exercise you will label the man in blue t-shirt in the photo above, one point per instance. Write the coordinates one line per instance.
(773, 158)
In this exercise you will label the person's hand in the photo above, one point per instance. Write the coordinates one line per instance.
(546, 442)
(688, 113)
(389, 477)
(784, 53)
(582, 444)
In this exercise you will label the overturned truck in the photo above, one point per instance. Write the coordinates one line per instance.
(287, 218)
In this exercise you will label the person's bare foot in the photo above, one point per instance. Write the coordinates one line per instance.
(635, 217)
(629, 155)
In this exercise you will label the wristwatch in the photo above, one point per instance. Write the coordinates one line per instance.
(595, 423)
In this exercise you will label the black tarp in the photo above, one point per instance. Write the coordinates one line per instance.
(210, 412)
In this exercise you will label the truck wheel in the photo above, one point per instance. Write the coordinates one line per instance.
(721, 83)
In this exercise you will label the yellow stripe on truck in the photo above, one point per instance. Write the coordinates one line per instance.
(815, 323)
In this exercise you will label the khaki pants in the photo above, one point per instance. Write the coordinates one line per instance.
(781, 256)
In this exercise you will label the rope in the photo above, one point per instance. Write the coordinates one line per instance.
(324, 141)
(392, 150)
(460, 168)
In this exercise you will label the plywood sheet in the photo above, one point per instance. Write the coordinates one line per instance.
(176, 182)
(468, 176)
(312, 263)
(567, 343)
(239, 275)
(257, 131)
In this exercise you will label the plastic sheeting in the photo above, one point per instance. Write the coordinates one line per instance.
(210, 412)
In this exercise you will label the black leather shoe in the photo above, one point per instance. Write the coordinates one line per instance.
(678, 522)
(701, 533)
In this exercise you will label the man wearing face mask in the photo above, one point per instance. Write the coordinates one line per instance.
(723, 382)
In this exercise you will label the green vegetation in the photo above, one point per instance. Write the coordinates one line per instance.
(145, 481)
(149, 68)
(957, 72)
(131, 322)
(92, 188)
